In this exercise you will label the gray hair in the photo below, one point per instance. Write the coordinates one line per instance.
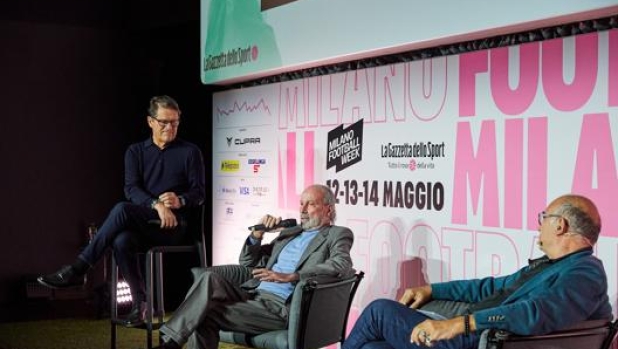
(164, 101)
(580, 222)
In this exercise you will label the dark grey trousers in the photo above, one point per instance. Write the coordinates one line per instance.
(216, 302)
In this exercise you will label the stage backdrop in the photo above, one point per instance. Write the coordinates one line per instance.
(439, 166)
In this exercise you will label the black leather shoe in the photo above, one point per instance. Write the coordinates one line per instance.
(137, 315)
(63, 278)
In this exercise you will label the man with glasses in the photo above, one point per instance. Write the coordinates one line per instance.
(164, 178)
(566, 286)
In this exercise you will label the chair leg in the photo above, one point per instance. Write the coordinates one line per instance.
(113, 302)
(149, 299)
(159, 285)
(113, 335)
(154, 280)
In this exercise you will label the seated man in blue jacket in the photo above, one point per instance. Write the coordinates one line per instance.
(566, 286)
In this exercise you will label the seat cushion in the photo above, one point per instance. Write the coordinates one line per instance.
(270, 340)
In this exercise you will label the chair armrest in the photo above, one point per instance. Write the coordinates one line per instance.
(582, 328)
(589, 334)
(157, 223)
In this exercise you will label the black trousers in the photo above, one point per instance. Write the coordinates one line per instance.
(127, 231)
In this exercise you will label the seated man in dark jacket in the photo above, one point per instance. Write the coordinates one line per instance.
(163, 180)
(566, 286)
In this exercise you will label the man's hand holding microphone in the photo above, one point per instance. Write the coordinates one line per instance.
(270, 223)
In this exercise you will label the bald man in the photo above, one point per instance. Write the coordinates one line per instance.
(565, 286)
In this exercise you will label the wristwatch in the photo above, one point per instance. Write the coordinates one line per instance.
(153, 203)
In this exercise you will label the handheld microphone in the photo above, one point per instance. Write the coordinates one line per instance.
(286, 223)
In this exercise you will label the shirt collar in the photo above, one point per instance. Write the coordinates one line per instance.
(533, 263)
(149, 143)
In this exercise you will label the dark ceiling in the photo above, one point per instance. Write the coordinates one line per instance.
(136, 14)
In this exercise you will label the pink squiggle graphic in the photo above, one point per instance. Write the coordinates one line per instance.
(244, 106)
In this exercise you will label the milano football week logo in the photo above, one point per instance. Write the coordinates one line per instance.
(345, 146)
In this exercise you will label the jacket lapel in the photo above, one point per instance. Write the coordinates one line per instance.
(317, 241)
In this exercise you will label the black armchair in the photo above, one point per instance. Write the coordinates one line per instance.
(318, 317)
(155, 311)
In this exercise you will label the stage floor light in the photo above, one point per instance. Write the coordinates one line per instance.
(123, 293)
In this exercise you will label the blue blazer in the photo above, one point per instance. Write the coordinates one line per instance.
(570, 290)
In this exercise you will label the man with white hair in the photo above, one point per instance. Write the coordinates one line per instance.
(268, 274)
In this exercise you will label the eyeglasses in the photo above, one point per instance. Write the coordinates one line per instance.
(164, 123)
(543, 215)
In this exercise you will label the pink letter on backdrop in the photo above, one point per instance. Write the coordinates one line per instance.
(563, 96)
(358, 101)
(476, 169)
(288, 198)
(387, 82)
(595, 143)
(469, 65)
(513, 173)
(289, 105)
(537, 169)
(612, 88)
(515, 101)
